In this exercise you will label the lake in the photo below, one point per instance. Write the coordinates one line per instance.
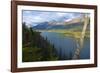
(66, 46)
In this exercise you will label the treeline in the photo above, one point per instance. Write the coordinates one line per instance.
(35, 47)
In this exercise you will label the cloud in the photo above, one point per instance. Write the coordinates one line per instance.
(61, 14)
(32, 16)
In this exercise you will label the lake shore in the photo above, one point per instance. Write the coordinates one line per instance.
(71, 33)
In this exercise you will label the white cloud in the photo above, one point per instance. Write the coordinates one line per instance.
(31, 17)
(61, 14)
(27, 12)
(68, 20)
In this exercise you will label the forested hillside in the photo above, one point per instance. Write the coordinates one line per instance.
(35, 47)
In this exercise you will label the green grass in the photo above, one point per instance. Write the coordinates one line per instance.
(30, 54)
(71, 33)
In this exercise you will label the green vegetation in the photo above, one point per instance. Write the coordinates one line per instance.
(76, 33)
(35, 47)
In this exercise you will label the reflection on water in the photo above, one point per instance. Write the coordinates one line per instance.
(65, 46)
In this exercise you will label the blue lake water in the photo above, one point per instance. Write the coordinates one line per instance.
(66, 46)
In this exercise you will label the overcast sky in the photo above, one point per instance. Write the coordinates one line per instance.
(32, 17)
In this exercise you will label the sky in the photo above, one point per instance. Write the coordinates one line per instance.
(31, 17)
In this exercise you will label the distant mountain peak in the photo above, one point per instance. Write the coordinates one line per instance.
(71, 23)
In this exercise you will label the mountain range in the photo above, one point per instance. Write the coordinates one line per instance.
(73, 23)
